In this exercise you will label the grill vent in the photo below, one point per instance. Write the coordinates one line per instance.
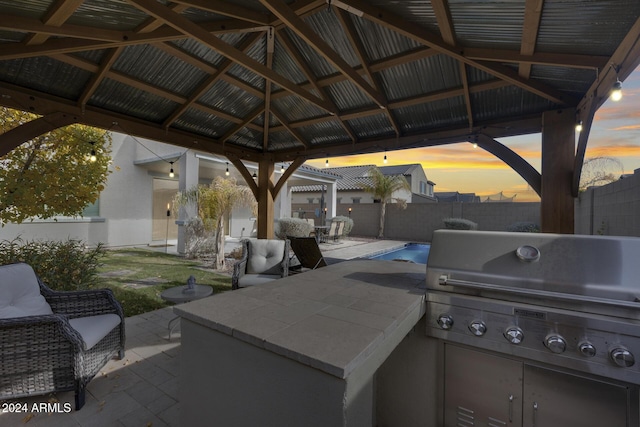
(465, 417)
(493, 422)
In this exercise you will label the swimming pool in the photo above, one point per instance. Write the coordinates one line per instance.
(412, 252)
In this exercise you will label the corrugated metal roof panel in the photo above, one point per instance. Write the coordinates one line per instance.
(432, 115)
(258, 52)
(11, 37)
(199, 50)
(316, 62)
(45, 74)
(571, 80)
(295, 108)
(282, 141)
(200, 122)
(133, 102)
(230, 99)
(380, 42)
(418, 11)
(326, 25)
(248, 138)
(434, 73)
(596, 26)
(28, 8)
(152, 65)
(199, 15)
(285, 65)
(511, 100)
(347, 96)
(326, 132)
(94, 56)
(496, 24)
(114, 14)
(372, 126)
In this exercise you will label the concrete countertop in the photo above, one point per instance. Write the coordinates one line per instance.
(333, 318)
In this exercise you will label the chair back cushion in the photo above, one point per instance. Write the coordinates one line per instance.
(265, 256)
(20, 293)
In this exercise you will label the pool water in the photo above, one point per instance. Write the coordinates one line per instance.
(412, 252)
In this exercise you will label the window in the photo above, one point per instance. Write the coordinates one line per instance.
(423, 187)
(355, 200)
(310, 200)
(91, 210)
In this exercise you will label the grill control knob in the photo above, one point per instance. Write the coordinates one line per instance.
(445, 321)
(514, 335)
(478, 328)
(587, 349)
(555, 344)
(622, 357)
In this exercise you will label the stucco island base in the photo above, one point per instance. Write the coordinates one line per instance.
(301, 351)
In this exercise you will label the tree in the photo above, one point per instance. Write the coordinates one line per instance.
(52, 174)
(214, 204)
(600, 171)
(383, 187)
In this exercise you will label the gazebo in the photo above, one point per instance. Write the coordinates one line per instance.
(272, 81)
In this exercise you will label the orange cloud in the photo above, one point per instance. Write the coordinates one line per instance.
(621, 150)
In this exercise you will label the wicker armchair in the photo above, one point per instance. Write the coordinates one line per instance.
(263, 260)
(53, 341)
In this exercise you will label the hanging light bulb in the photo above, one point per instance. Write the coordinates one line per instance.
(579, 126)
(227, 171)
(255, 176)
(326, 164)
(92, 156)
(385, 157)
(171, 174)
(282, 168)
(616, 92)
(475, 145)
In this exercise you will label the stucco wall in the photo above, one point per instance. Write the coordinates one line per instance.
(418, 221)
(612, 210)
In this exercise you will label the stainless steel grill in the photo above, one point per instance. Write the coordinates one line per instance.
(563, 302)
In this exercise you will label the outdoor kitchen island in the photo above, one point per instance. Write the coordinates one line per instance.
(312, 349)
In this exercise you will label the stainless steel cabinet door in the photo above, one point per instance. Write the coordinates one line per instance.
(556, 399)
(481, 390)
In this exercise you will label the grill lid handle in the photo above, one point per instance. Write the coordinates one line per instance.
(445, 280)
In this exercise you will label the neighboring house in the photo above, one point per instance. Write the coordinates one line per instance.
(352, 178)
(134, 208)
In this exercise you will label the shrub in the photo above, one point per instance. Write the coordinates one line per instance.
(348, 224)
(65, 266)
(459, 224)
(294, 227)
(524, 227)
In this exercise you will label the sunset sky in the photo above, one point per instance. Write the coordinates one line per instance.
(459, 167)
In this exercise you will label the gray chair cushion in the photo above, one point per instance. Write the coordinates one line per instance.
(256, 279)
(93, 328)
(265, 256)
(20, 293)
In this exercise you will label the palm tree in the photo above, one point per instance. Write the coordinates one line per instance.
(382, 187)
(214, 204)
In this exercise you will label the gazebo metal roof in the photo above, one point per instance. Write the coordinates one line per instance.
(295, 80)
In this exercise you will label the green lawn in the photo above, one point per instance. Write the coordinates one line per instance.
(138, 276)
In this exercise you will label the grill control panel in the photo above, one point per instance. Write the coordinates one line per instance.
(599, 345)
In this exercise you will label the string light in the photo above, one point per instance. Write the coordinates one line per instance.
(227, 171)
(385, 157)
(326, 164)
(255, 176)
(282, 168)
(616, 91)
(171, 174)
(579, 126)
(92, 156)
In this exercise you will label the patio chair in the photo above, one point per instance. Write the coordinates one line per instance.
(53, 341)
(339, 230)
(263, 260)
(331, 234)
(307, 252)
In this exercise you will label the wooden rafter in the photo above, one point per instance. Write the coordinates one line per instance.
(288, 16)
(358, 48)
(56, 16)
(419, 34)
(292, 131)
(245, 123)
(199, 33)
(271, 40)
(530, 27)
(36, 127)
(105, 66)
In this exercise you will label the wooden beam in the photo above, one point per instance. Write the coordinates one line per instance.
(228, 9)
(105, 66)
(293, 166)
(199, 33)
(588, 62)
(297, 25)
(23, 133)
(530, 28)
(558, 142)
(515, 162)
(55, 16)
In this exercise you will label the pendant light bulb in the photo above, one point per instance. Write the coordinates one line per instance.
(326, 164)
(616, 92)
(227, 171)
(282, 168)
(171, 174)
(385, 159)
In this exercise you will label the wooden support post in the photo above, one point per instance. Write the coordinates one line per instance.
(265, 199)
(558, 154)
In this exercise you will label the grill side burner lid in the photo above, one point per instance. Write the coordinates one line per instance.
(537, 264)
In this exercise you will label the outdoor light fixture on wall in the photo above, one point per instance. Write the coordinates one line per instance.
(616, 91)
(171, 174)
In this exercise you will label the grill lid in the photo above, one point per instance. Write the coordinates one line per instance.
(535, 265)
